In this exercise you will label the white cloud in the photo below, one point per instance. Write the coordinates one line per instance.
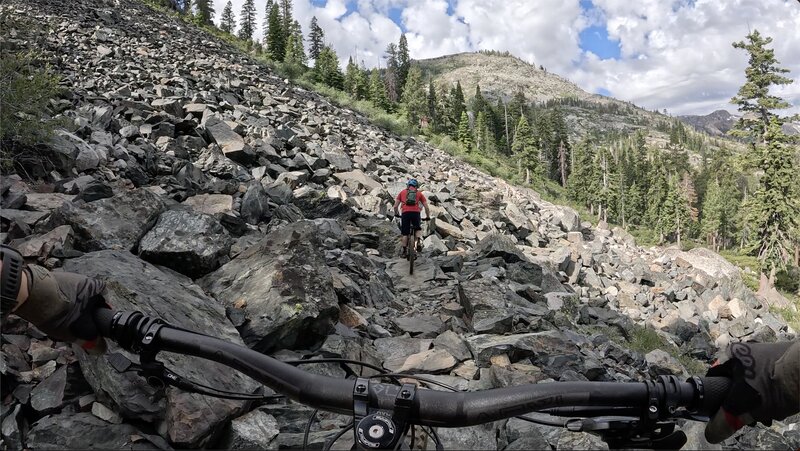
(674, 54)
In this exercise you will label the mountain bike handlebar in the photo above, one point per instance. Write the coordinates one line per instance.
(658, 399)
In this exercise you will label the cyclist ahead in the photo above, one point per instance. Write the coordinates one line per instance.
(766, 377)
(410, 200)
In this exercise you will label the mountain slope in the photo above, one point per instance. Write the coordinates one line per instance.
(715, 124)
(207, 191)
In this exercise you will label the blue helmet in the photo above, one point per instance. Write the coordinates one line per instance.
(413, 182)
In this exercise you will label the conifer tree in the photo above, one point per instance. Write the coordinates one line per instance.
(287, 20)
(316, 39)
(714, 215)
(525, 151)
(774, 209)
(267, 10)
(753, 97)
(295, 53)
(227, 20)
(326, 69)
(390, 77)
(456, 106)
(351, 78)
(445, 119)
(578, 186)
(403, 61)
(464, 132)
(414, 99)
(432, 113)
(276, 45)
(204, 11)
(377, 90)
(247, 20)
(481, 133)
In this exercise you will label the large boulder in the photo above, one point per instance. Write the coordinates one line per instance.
(709, 262)
(537, 345)
(133, 284)
(114, 223)
(286, 287)
(498, 245)
(86, 431)
(191, 243)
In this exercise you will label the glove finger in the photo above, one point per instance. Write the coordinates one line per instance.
(724, 424)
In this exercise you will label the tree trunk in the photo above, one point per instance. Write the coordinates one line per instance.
(508, 140)
(562, 157)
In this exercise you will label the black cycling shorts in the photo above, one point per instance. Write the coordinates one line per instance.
(409, 219)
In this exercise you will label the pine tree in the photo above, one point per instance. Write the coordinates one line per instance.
(295, 53)
(247, 20)
(456, 107)
(267, 10)
(316, 38)
(754, 97)
(326, 69)
(774, 209)
(276, 46)
(525, 151)
(432, 113)
(351, 77)
(414, 99)
(481, 133)
(445, 119)
(204, 11)
(287, 20)
(403, 61)
(377, 90)
(714, 215)
(464, 132)
(227, 20)
(390, 77)
(578, 186)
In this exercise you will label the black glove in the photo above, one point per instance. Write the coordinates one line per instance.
(766, 381)
(62, 304)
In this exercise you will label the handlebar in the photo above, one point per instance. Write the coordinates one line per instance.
(138, 333)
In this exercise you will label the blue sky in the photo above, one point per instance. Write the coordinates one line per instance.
(673, 54)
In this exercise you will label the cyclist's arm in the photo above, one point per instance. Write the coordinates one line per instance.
(396, 207)
(424, 201)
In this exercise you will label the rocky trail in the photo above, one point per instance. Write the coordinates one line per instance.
(219, 197)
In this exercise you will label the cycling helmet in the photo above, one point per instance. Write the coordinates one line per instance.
(413, 182)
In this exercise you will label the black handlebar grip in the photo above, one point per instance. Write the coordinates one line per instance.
(715, 390)
(102, 319)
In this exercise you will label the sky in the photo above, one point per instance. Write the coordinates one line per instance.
(659, 54)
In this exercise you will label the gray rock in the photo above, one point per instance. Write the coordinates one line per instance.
(430, 361)
(56, 240)
(49, 394)
(114, 223)
(661, 363)
(423, 326)
(473, 437)
(498, 245)
(210, 204)
(105, 414)
(133, 284)
(191, 243)
(85, 431)
(454, 344)
(288, 288)
(173, 107)
(492, 321)
(11, 434)
(254, 430)
(538, 344)
(395, 350)
(255, 207)
(231, 143)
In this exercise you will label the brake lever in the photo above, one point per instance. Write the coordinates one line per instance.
(630, 432)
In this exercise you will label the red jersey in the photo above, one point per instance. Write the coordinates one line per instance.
(411, 208)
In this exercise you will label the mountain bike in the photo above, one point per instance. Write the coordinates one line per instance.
(623, 414)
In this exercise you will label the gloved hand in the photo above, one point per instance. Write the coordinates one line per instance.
(766, 382)
(61, 305)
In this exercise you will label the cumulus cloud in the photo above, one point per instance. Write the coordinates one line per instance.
(674, 54)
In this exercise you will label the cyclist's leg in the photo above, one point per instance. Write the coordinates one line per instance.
(405, 229)
(417, 224)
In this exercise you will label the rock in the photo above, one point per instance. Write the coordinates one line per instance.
(10, 429)
(709, 262)
(191, 243)
(357, 179)
(331, 231)
(49, 394)
(254, 430)
(114, 223)
(231, 143)
(565, 218)
(289, 290)
(95, 191)
(430, 361)
(492, 321)
(444, 229)
(498, 245)
(351, 317)
(210, 204)
(255, 207)
(560, 258)
(662, 363)
(105, 414)
(170, 106)
(538, 344)
(338, 160)
(422, 326)
(472, 437)
(85, 431)
(88, 158)
(454, 344)
(133, 284)
(395, 350)
(56, 240)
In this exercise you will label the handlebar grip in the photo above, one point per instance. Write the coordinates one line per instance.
(715, 390)
(102, 319)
